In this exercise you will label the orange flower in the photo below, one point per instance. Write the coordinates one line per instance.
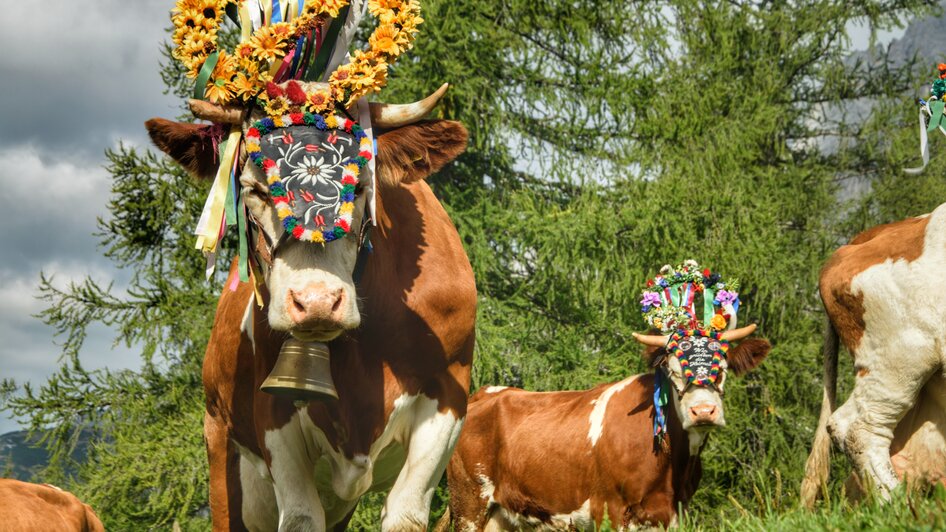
(385, 40)
(266, 45)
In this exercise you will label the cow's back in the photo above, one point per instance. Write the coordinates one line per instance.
(561, 458)
(32, 507)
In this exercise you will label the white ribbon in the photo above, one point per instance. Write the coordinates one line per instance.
(364, 120)
(924, 142)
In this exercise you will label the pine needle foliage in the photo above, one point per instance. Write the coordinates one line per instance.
(607, 139)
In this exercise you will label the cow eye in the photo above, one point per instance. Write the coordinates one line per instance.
(257, 190)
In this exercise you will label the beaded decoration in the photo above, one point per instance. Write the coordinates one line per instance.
(315, 201)
(698, 371)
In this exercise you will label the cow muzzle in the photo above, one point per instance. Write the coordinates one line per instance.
(318, 312)
(704, 414)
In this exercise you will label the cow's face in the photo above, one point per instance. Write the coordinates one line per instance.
(699, 407)
(311, 291)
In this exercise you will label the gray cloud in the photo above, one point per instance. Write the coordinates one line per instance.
(87, 78)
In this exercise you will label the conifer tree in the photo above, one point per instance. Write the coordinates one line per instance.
(607, 139)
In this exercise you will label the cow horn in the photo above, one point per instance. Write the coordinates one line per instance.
(738, 334)
(387, 115)
(655, 340)
(216, 113)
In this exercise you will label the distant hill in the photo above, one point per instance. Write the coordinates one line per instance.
(19, 459)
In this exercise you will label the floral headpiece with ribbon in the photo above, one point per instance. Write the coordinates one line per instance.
(935, 110)
(292, 63)
(669, 302)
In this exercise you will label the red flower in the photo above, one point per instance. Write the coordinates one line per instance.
(296, 118)
(706, 272)
(650, 282)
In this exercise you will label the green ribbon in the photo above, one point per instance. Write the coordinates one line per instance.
(200, 86)
(315, 71)
(936, 115)
(709, 310)
(244, 267)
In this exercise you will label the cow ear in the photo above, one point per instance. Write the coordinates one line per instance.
(415, 151)
(191, 145)
(747, 355)
(654, 355)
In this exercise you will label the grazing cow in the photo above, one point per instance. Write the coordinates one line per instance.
(26, 507)
(882, 301)
(559, 460)
(401, 347)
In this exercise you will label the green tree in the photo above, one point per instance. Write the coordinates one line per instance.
(607, 139)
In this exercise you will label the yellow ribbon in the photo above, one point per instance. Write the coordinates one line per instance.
(246, 23)
(211, 218)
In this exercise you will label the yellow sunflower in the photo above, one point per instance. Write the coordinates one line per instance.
(244, 87)
(276, 107)
(266, 45)
(385, 40)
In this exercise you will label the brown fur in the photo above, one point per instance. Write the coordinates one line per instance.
(413, 152)
(419, 306)
(748, 354)
(26, 507)
(191, 145)
(534, 449)
(845, 310)
(893, 241)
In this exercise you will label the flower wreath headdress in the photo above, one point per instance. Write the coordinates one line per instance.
(309, 147)
(287, 44)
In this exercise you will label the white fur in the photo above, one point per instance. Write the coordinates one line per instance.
(430, 440)
(495, 389)
(246, 327)
(596, 419)
(905, 321)
(258, 510)
(504, 519)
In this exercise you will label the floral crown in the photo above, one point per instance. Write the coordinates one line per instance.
(669, 302)
(292, 40)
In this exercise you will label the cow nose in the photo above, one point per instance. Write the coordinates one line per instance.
(705, 413)
(315, 304)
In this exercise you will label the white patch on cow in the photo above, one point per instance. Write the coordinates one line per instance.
(495, 389)
(502, 518)
(467, 526)
(293, 472)
(898, 352)
(487, 489)
(596, 419)
(246, 327)
(57, 488)
(258, 509)
(433, 435)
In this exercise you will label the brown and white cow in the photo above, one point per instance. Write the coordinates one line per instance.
(401, 344)
(26, 507)
(559, 460)
(882, 296)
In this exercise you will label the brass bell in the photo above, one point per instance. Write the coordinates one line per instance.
(302, 372)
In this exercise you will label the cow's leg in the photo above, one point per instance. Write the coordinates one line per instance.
(225, 495)
(258, 505)
(292, 466)
(883, 392)
(432, 437)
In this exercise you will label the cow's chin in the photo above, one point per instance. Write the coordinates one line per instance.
(314, 335)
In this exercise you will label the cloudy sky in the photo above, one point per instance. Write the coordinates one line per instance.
(79, 82)
(73, 84)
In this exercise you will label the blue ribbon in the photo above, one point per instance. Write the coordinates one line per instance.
(660, 401)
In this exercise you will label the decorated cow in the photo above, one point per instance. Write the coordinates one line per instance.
(629, 449)
(877, 295)
(339, 360)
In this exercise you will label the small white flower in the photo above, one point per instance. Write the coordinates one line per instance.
(311, 169)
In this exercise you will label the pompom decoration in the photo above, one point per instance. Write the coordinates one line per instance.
(311, 201)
